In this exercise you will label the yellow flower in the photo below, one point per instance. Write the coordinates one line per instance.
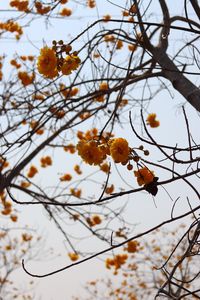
(119, 150)
(70, 64)
(151, 120)
(47, 63)
(90, 152)
(144, 176)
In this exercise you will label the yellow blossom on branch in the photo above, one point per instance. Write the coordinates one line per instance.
(47, 63)
(32, 171)
(119, 150)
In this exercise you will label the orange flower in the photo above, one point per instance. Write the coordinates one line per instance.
(133, 9)
(13, 218)
(32, 171)
(3, 163)
(66, 177)
(103, 86)
(106, 18)
(70, 148)
(119, 150)
(132, 246)
(90, 152)
(46, 161)
(25, 184)
(20, 5)
(14, 63)
(25, 78)
(47, 63)
(119, 45)
(70, 64)
(144, 176)
(151, 120)
(117, 261)
(91, 3)
(26, 237)
(40, 9)
(105, 167)
(76, 192)
(109, 189)
(96, 220)
(12, 27)
(73, 256)
(77, 169)
(7, 207)
(132, 47)
(66, 12)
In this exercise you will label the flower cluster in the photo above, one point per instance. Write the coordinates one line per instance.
(94, 149)
(12, 27)
(51, 60)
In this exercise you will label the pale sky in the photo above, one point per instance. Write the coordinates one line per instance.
(141, 209)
